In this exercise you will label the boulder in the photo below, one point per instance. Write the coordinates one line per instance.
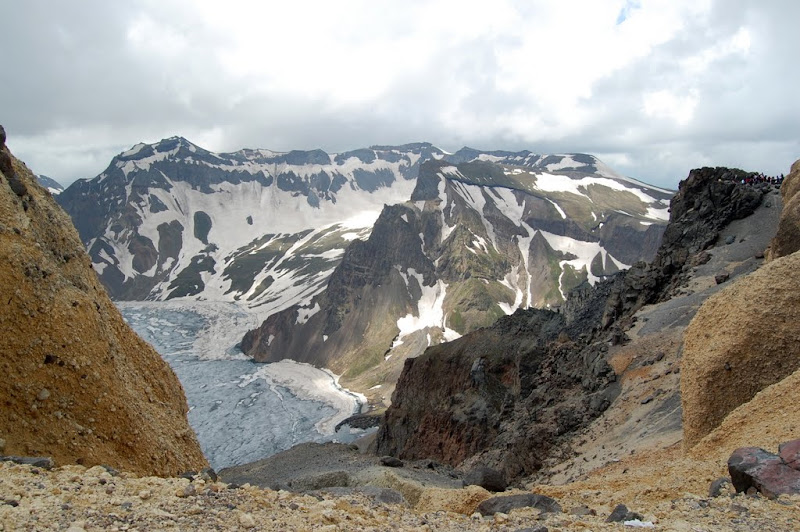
(36, 461)
(506, 503)
(620, 514)
(743, 339)
(487, 478)
(753, 467)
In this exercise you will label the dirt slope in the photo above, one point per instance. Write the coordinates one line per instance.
(79, 385)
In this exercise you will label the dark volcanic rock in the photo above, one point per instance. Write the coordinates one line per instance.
(487, 478)
(506, 503)
(620, 514)
(391, 461)
(37, 461)
(753, 467)
(505, 394)
(715, 490)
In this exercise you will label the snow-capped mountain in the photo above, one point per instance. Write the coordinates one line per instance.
(172, 220)
(53, 186)
(482, 235)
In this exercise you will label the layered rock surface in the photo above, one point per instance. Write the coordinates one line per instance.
(78, 384)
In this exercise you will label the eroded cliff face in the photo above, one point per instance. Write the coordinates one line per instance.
(787, 240)
(510, 396)
(79, 385)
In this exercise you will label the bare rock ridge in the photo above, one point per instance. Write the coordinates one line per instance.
(746, 337)
(79, 385)
(510, 396)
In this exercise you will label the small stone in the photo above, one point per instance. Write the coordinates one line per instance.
(145, 494)
(721, 277)
(208, 474)
(44, 394)
(500, 518)
(246, 520)
(730, 240)
(719, 487)
(582, 510)
(391, 461)
(621, 514)
(487, 478)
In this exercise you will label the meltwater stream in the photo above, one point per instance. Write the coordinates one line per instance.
(242, 411)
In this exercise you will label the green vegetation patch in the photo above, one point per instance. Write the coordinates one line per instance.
(473, 304)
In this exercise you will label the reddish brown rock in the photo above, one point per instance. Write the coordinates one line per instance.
(790, 453)
(78, 384)
(754, 467)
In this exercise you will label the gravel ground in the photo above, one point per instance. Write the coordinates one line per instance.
(76, 499)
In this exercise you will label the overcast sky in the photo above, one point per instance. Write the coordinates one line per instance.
(652, 87)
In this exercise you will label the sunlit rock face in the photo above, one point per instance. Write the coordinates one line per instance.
(79, 385)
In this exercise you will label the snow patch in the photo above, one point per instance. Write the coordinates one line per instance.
(560, 210)
(303, 314)
(429, 310)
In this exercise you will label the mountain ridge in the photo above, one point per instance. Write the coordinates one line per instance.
(476, 241)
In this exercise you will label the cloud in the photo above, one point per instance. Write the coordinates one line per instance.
(656, 87)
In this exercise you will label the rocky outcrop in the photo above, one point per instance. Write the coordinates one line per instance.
(787, 240)
(742, 340)
(511, 395)
(504, 395)
(78, 384)
(707, 201)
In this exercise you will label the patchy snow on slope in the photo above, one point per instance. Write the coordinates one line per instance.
(473, 195)
(584, 251)
(512, 281)
(658, 214)
(559, 209)
(565, 162)
(430, 312)
(304, 313)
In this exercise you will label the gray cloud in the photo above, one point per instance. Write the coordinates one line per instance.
(83, 81)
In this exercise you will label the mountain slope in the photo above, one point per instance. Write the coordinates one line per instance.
(514, 396)
(478, 240)
(79, 385)
(53, 186)
(173, 220)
